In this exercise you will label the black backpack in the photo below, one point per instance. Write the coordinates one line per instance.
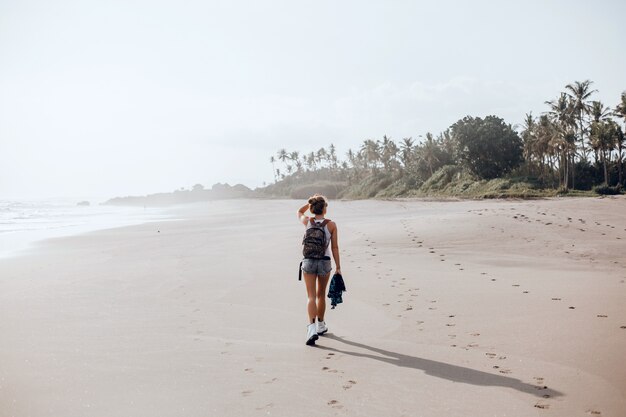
(314, 243)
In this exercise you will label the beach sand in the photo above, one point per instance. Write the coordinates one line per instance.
(464, 308)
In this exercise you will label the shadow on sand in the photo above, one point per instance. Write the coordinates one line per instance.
(441, 369)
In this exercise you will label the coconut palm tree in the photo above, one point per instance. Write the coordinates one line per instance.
(529, 139)
(311, 161)
(332, 157)
(604, 137)
(545, 133)
(283, 155)
(273, 161)
(295, 158)
(321, 155)
(429, 152)
(598, 111)
(370, 151)
(388, 152)
(579, 93)
(406, 150)
(620, 111)
(562, 115)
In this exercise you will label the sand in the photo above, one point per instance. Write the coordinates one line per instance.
(468, 308)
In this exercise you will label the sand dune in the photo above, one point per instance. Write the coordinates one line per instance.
(468, 308)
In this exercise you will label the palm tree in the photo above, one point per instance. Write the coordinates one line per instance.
(529, 138)
(389, 151)
(282, 154)
(604, 138)
(561, 112)
(351, 158)
(545, 133)
(579, 94)
(273, 160)
(311, 162)
(406, 149)
(332, 157)
(598, 111)
(295, 158)
(370, 151)
(620, 111)
(321, 155)
(429, 152)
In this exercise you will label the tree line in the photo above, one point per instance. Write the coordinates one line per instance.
(576, 143)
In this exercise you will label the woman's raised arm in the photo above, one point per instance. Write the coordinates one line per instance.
(301, 216)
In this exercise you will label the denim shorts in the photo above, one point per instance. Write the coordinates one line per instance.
(318, 267)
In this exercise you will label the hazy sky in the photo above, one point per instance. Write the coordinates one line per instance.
(106, 98)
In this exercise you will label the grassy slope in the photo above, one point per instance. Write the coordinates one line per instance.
(448, 181)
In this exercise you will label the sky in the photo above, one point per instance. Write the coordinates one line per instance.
(111, 98)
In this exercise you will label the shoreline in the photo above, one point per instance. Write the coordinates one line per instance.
(26, 238)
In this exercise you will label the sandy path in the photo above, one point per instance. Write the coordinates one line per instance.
(490, 308)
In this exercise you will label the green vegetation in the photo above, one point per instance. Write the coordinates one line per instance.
(574, 148)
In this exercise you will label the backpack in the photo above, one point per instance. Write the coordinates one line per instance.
(314, 243)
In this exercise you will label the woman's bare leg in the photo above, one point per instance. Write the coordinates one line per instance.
(309, 281)
(322, 282)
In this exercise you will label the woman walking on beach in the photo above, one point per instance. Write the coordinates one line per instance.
(316, 265)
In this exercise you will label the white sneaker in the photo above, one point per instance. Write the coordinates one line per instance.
(321, 327)
(311, 334)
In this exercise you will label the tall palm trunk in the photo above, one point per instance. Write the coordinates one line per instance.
(563, 181)
(619, 166)
(573, 171)
(606, 172)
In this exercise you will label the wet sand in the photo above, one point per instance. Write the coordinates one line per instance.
(469, 308)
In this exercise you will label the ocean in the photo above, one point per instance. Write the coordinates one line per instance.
(22, 223)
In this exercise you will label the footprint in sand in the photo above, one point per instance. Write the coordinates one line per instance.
(334, 404)
(349, 384)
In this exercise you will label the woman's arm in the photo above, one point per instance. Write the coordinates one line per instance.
(301, 216)
(334, 242)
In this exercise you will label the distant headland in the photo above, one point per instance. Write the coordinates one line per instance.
(184, 196)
